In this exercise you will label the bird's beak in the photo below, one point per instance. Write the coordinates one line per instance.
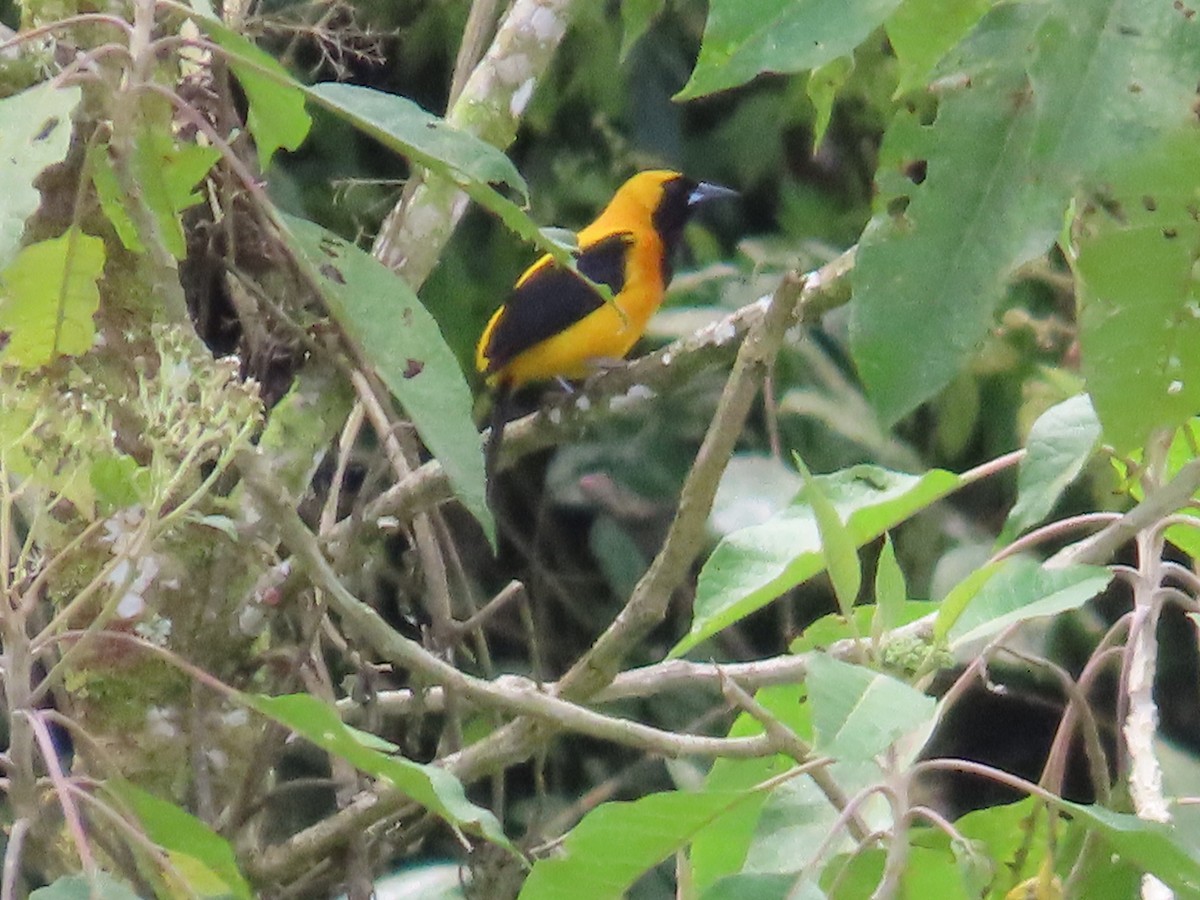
(703, 192)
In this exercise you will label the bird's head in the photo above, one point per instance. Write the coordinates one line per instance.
(666, 198)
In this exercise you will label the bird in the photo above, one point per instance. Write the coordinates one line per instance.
(556, 326)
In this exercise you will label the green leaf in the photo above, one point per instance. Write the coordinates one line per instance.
(118, 481)
(791, 826)
(80, 887)
(167, 173)
(1043, 98)
(891, 593)
(397, 335)
(961, 216)
(754, 886)
(754, 486)
(424, 138)
(823, 84)
(959, 596)
(616, 843)
(857, 712)
(1137, 251)
(1154, 847)
(432, 787)
(48, 296)
(1060, 443)
(1181, 452)
(742, 40)
(471, 163)
(276, 115)
(179, 832)
(753, 566)
(35, 130)
(636, 18)
(1024, 589)
(721, 848)
(921, 32)
(837, 546)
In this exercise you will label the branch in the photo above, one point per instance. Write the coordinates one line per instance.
(1099, 548)
(490, 107)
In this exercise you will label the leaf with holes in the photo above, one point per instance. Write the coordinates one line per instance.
(397, 335)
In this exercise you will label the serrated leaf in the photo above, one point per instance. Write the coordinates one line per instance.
(742, 40)
(1060, 443)
(275, 103)
(48, 295)
(167, 174)
(616, 843)
(432, 787)
(35, 131)
(1024, 589)
(177, 831)
(857, 712)
(837, 546)
(753, 566)
(402, 341)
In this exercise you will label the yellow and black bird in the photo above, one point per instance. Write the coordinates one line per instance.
(556, 325)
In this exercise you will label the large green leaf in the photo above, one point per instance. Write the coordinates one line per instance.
(858, 712)
(1021, 589)
(1040, 99)
(616, 843)
(474, 165)
(721, 848)
(753, 566)
(35, 129)
(424, 138)
(434, 788)
(742, 40)
(401, 340)
(48, 295)
(1154, 847)
(1137, 250)
(921, 32)
(933, 266)
(1060, 443)
(179, 832)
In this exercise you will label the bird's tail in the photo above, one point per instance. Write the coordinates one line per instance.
(501, 408)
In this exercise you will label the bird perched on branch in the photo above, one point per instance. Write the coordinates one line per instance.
(557, 325)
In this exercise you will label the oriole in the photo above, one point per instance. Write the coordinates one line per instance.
(556, 325)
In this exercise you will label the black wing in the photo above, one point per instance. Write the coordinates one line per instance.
(554, 299)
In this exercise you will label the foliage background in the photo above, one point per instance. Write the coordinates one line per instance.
(1024, 218)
